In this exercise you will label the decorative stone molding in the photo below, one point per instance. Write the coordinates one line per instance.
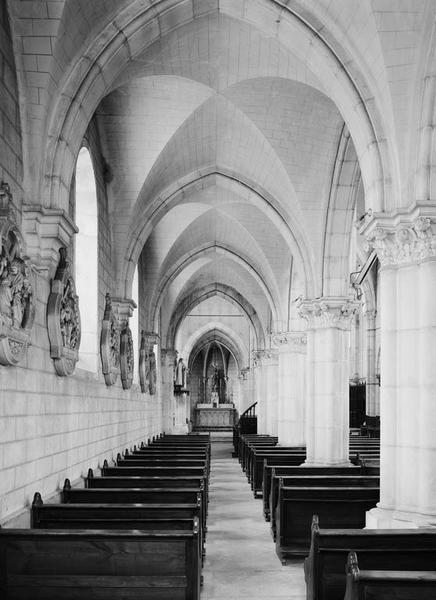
(404, 237)
(17, 308)
(110, 343)
(290, 341)
(370, 314)
(243, 373)
(46, 230)
(127, 361)
(264, 356)
(323, 313)
(63, 318)
(123, 309)
(147, 362)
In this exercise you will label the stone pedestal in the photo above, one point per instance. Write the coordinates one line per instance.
(328, 355)
(291, 386)
(210, 418)
(406, 248)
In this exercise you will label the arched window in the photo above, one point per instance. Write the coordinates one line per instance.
(134, 325)
(86, 259)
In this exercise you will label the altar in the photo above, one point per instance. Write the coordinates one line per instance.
(218, 417)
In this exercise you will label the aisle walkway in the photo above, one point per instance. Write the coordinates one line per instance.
(240, 555)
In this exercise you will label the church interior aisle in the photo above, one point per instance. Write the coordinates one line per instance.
(240, 556)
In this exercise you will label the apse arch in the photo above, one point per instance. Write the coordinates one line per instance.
(110, 51)
(189, 302)
(216, 330)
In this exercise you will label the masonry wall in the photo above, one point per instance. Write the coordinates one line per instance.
(53, 427)
(11, 164)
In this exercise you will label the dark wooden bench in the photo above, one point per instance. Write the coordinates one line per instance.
(116, 516)
(154, 470)
(44, 564)
(337, 506)
(119, 495)
(290, 457)
(251, 439)
(287, 470)
(325, 480)
(149, 482)
(385, 549)
(134, 459)
(387, 584)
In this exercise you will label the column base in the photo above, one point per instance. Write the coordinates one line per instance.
(332, 463)
(383, 518)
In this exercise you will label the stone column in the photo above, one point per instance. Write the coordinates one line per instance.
(405, 243)
(168, 357)
(328, 359)
(372, 384)
(291, 386)
(271, 390)
(259, 374)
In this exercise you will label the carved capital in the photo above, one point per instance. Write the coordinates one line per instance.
(404, 237)
(110, 343)
(243, 373)
(63, 318)
(123, 309)
(290, 341)
(264, 356)
(370, 314)
(46, 230)
(323, 313)
(17, 308)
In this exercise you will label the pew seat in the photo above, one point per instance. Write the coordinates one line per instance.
(381, 549)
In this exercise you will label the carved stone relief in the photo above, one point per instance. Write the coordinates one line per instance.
(17, 308)
(147, 363)
(110, 344)
(144, 365)
(63, 318)
(328, 312)
(126, 357)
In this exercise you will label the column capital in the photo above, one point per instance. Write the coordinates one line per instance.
(46, 230)
(123, 308)
(290, 341)
(402, 237)
(263, 356)
(326, 312)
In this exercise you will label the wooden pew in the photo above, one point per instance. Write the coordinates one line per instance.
(337, 506)
(387, 584)
(175, 481)
(251, 440)
(386, 549)
(43, 564)
(316, 480)
(116, 516)
(141, 461)
(132, 469)
(290, 457)
(194, 495)
(287, 470)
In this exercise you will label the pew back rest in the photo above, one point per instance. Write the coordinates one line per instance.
(408, 549)
(49, 564)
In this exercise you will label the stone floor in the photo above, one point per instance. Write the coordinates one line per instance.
(240, 555)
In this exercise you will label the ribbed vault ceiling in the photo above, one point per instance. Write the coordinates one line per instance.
(217, 97)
